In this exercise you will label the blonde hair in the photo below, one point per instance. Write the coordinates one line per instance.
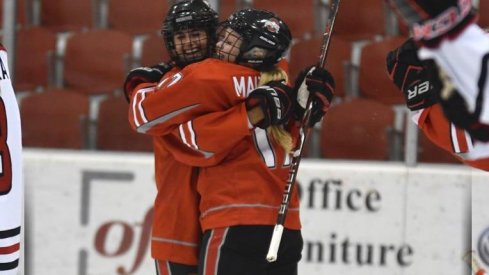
(278, 133)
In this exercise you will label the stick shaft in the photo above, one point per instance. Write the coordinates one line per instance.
(296, 158)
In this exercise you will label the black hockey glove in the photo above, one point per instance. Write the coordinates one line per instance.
(320, 84)
(275, 100)
(455, 108)
(411, 76)
(144, 75)
(430, 21)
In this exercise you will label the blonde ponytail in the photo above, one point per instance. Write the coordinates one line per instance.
(278, 133)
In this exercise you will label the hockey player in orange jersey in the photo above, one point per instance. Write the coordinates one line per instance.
(241, 192)
(189, 34)
(418, 82)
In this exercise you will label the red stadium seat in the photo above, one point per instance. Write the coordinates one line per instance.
(299, 15)
(68, 15)
(306, 52)
(227, 7)
(484, 13)
(21, 16)
(373, 80)
(55, 118)
(35, 50)
(137, 17)
(358, 129)
(97, 61)
(153, 50)
(358, 20)
(113, 130)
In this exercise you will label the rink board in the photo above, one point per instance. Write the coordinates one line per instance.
(89, 213)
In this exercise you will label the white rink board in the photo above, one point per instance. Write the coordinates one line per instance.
(87, 214)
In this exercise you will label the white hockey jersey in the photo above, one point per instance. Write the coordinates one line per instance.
(465, 59)
(11, 182)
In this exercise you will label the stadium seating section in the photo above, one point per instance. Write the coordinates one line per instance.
(71, 58)
(484, 13)
(34, 63)
(64, 112)
(97, 60)
(21, 14)
(357, 129)
(113, 130)
(136, 17)
(68, 15)
(373, 79)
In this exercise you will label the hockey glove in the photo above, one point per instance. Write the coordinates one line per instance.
(431, 21)
(455, 108)
(144, 75)
(411, 76)
(275, 100)
(320, 84)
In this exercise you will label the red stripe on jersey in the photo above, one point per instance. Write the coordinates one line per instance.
(217, 238)
(185, 135)
(162, 267)
(139, 115)
(9, 249)
(138, 111)
(462, 141)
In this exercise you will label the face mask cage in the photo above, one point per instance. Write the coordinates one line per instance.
(189, 45)
(189, 21)
(229, 44)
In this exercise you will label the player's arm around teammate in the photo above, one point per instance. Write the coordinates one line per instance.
(189, 34)
(254, 163)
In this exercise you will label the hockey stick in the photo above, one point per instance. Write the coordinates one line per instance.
(296, 158)
(471, 259)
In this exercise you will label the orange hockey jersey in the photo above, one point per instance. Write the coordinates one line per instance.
(176, 231)
(176, 227)
(246, 186)
(444, 134)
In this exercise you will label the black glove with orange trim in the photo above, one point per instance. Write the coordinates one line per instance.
(144, 75)
(412, 76)
(275, 100)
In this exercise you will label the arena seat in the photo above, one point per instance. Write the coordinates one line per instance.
(306, 52)
(97, 61)
(137, 17)
(21, 16)
(68, 15)
(153, 50)
(113, 130)
(357, 129)
(483, 13)
(227, 7)
(359, 20)
(299, 15)
(374, 82)
(35, 50)
(55, 118)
